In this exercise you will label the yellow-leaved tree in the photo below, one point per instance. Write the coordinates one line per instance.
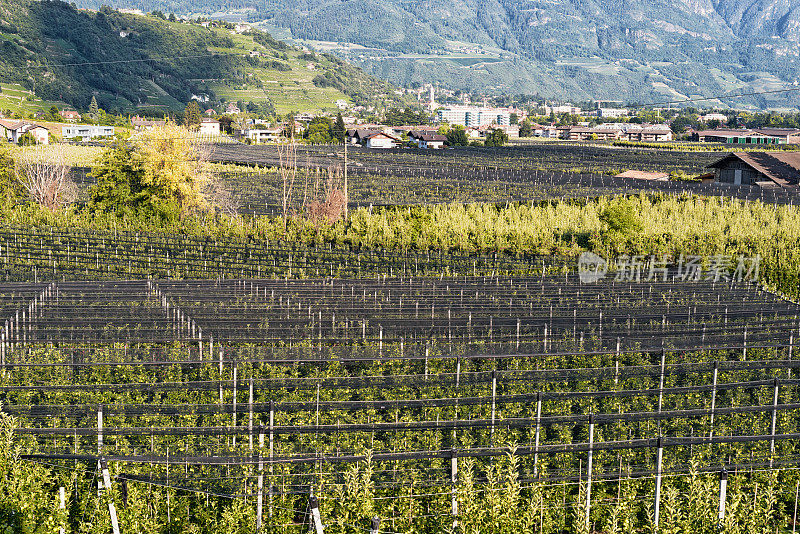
(172, 162)
(155, 174)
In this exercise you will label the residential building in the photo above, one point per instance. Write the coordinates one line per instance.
(770, 170)
(358, 136)
(560, 110)
(13, 130)
(70, 115)
(86, 131)
(141, 123)
(402, 130)
(381, 140)
(473, 116)
(210, 112)
(209, 127)
(232, 109)
(511, 130)
(426, 139)
(611, 113)
(260, 135)
(652, 134)
(579, 133)
(548, 132)
(708, 117)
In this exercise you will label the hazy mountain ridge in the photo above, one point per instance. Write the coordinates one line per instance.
(626, 49)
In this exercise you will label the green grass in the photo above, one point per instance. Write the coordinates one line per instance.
(19, 100)
(288, 91)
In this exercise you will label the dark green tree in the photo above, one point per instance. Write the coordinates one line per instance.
(93, 109)
(339, 131)
(289, 130)
(319, 131)
(225, 122)
(457, 136)
(26, 139)
(192, 116)
(525, 129)
(495, 137)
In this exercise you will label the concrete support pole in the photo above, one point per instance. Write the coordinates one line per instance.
(723, 490)
(659, 459)
(774, 424)
(102, 466)
(589, 470)
(537, 434)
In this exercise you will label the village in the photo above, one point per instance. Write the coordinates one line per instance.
(451, 126)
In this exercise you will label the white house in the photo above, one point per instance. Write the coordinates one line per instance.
(86, 131)
(260, 135)
(12, 131)
(381, 140)
(426, 139)
(70, 115)
(209, 127)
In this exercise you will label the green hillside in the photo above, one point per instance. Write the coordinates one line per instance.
(136, 63)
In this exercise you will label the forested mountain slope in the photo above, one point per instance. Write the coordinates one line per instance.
(130, 62)
(630, 49)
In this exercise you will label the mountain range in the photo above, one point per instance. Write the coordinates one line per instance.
(630, 50)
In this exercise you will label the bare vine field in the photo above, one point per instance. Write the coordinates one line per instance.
(416, 397)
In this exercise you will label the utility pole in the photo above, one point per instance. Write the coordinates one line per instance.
(346, 197)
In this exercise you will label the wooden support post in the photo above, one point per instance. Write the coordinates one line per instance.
(659, 458)
(589, 470)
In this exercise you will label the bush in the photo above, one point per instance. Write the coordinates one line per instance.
(620, 218)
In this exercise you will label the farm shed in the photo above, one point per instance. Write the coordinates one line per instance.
(764, 169)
